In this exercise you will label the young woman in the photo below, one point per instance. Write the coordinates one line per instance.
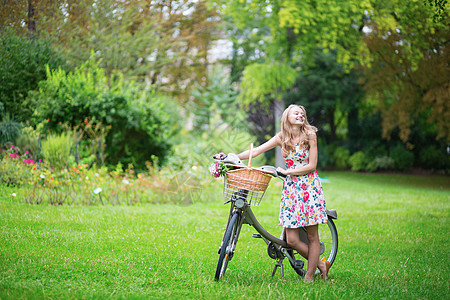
(302, 200)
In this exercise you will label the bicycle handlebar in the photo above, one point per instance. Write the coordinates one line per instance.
(233, 160)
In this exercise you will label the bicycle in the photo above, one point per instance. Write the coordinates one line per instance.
(245, 187)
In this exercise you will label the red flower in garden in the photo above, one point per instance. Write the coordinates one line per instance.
(289, 162)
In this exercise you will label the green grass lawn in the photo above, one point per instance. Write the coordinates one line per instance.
(393, 243)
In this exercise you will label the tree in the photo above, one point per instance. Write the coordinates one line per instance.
(267, 78)
(301, 26)
(163, 43)
(409, 74)
(328, 91)
(22, 66)
(267, 83)
(216, 104)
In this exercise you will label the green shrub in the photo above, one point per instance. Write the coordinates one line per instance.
(384, 163)
(22, 66)
(380, 163)
(403, 159)
(141, 122)
(341, 156)
(56, 149)
(432, 157)
(29, 140)
(325, 157)
(358, 161)
(9, 131)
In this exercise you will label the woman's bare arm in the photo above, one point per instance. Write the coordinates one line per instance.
(270, 144)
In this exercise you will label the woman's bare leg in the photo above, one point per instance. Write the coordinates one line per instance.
(293, 240)
(312, 233)
(311, 252)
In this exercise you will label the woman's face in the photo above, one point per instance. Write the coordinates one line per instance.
(296, 116)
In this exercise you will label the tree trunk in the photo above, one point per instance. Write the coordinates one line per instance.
(278, 105)
(31, 17)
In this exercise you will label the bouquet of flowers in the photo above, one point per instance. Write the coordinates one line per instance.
(218, 169)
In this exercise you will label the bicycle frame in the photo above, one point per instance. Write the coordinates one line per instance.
(279, 245)
(241, 200)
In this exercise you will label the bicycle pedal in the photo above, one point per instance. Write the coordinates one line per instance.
(257, 236)
(299, 264)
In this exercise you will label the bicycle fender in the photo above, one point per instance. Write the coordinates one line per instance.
(332, 213)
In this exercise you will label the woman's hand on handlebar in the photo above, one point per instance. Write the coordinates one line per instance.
(281, 171)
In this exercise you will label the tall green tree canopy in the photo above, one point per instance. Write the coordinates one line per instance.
(350, 28)
(162, 43)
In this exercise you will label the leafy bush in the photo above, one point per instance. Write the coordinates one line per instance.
(325, 151)
(432, 157)
(141, 123)
(29, 139)
(403, 159)
(380, 163)
(22, 66)
(9, 131)
(341, 156)
(90, 143)
(358, 161)
(57, 150)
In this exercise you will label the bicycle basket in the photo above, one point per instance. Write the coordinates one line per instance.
(247, 184)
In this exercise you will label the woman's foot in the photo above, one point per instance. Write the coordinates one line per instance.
(324, 267)
(308, 279)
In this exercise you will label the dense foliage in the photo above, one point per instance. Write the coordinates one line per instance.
(140, 122)
(147, 83)
(22, 66)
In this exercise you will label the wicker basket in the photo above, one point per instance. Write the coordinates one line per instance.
(248, 179)
(247, 184)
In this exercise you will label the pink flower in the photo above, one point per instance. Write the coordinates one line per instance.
(32, 161)
(26, 152)
(12, 155)
(40, 160)
(12, 146)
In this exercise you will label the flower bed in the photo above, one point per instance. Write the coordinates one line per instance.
(79, 185)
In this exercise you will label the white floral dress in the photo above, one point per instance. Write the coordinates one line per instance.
(302, 201)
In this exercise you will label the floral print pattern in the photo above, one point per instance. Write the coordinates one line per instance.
(302, 201)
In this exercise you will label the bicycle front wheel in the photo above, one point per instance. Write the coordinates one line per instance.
(228, 245)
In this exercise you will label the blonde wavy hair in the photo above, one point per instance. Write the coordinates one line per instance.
(287, 136)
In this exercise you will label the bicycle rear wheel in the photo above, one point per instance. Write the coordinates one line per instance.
(328, 241)
(228, 245)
